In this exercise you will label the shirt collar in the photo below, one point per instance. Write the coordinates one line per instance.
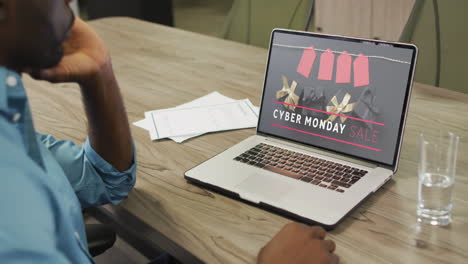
(10, 86)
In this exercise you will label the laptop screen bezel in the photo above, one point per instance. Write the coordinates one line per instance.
(404, 112)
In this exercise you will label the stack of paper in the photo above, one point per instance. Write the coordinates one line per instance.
(210, 113)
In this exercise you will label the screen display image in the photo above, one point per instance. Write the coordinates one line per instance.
(338, 94)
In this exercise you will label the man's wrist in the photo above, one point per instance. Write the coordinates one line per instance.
(102, 78)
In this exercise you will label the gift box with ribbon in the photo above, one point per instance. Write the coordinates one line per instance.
(366, 108)
(313, 98)
(287, 94)
(340, 104)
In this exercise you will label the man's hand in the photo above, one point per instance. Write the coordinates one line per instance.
(85, 58)
(298, 243)
(86, 61)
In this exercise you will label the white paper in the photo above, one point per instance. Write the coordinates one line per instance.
(144, 123)
(188, 121)
(210, 99)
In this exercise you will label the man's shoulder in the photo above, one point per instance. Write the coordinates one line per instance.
(22, 180)
(13, 157)
(9, 134)
(28, 208)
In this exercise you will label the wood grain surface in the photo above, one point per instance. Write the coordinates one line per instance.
(160, 67)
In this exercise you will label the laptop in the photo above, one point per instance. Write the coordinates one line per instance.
(330, 127)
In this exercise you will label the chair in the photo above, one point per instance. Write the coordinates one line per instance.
(100, 238)
(251, 21)
(159, 11)
(441, 63)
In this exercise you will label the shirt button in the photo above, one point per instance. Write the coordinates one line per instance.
(16, 117)
(11, 81)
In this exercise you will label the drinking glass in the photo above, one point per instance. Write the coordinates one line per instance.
(437, 169)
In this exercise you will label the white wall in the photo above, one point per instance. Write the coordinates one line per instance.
(75, 8)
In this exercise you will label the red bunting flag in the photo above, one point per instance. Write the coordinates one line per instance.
(326, 65)
(307, 61)
(361, 71)
(343, 68)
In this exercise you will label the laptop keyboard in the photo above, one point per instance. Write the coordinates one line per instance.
(323, 173)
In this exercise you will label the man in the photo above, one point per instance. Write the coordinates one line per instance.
(45, 182)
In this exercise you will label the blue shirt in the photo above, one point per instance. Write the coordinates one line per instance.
(45, 183)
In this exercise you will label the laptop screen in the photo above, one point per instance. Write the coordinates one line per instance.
(341, 94)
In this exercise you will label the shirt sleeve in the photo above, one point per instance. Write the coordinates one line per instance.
(94, 180)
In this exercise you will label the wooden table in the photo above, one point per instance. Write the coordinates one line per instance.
(160, 67)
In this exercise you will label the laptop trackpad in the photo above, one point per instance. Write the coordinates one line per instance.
(260, 187)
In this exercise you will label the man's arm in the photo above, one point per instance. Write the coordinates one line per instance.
(87, 62)
(109, 132)
(103, 170)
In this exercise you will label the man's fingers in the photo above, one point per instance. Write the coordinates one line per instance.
(334, 259)
(329, 245)
(58, 74)
(53, 76)
(44, 75)
(318, 232)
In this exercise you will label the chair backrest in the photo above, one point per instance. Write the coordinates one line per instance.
(251, 21)
(421, 30)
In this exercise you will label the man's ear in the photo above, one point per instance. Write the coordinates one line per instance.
(3, 10)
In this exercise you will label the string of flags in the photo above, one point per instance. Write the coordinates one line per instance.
(343, 68)
(340, 52)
